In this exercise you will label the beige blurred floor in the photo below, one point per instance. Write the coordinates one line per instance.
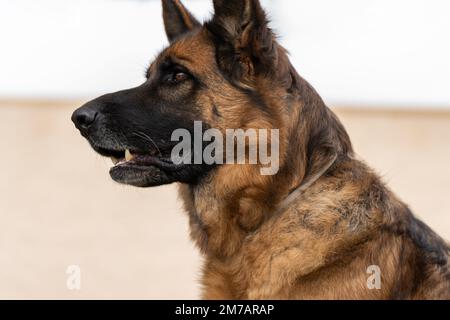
(58, 206)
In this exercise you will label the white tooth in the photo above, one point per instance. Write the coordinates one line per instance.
(128, 155)
(115, 160)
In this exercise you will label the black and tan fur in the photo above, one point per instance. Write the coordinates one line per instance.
(232, 73)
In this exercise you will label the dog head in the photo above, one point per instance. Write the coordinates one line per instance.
(228, 73)
(208, 73)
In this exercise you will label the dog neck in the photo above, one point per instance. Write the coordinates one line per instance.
(220, 221)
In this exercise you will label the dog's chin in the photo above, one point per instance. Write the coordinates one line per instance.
(141, 176)
(150, 171)
(153, 175)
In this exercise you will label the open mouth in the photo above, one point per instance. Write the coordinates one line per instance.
(128, 158)
(141, 169)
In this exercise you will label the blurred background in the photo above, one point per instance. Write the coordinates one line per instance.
(383, 66)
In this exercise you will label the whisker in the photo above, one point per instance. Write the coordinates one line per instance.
(148, 139)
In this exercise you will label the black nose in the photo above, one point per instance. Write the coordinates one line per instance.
(84, 118)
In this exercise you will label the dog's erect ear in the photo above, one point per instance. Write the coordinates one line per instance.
(177, 19)
(245, 44)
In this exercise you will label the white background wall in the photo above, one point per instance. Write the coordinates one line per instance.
(388, 52)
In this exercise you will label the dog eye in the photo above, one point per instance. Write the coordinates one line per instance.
(177, 77)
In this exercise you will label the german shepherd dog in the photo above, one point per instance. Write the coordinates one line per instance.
(324, 227)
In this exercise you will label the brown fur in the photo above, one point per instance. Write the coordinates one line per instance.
(321, 245)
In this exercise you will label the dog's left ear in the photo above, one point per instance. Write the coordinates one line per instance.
(246, 46)
(177, 19)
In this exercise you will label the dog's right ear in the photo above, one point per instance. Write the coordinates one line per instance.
(177, 19)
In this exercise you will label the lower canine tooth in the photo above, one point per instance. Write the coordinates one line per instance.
(115, 161)
(128, 155)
